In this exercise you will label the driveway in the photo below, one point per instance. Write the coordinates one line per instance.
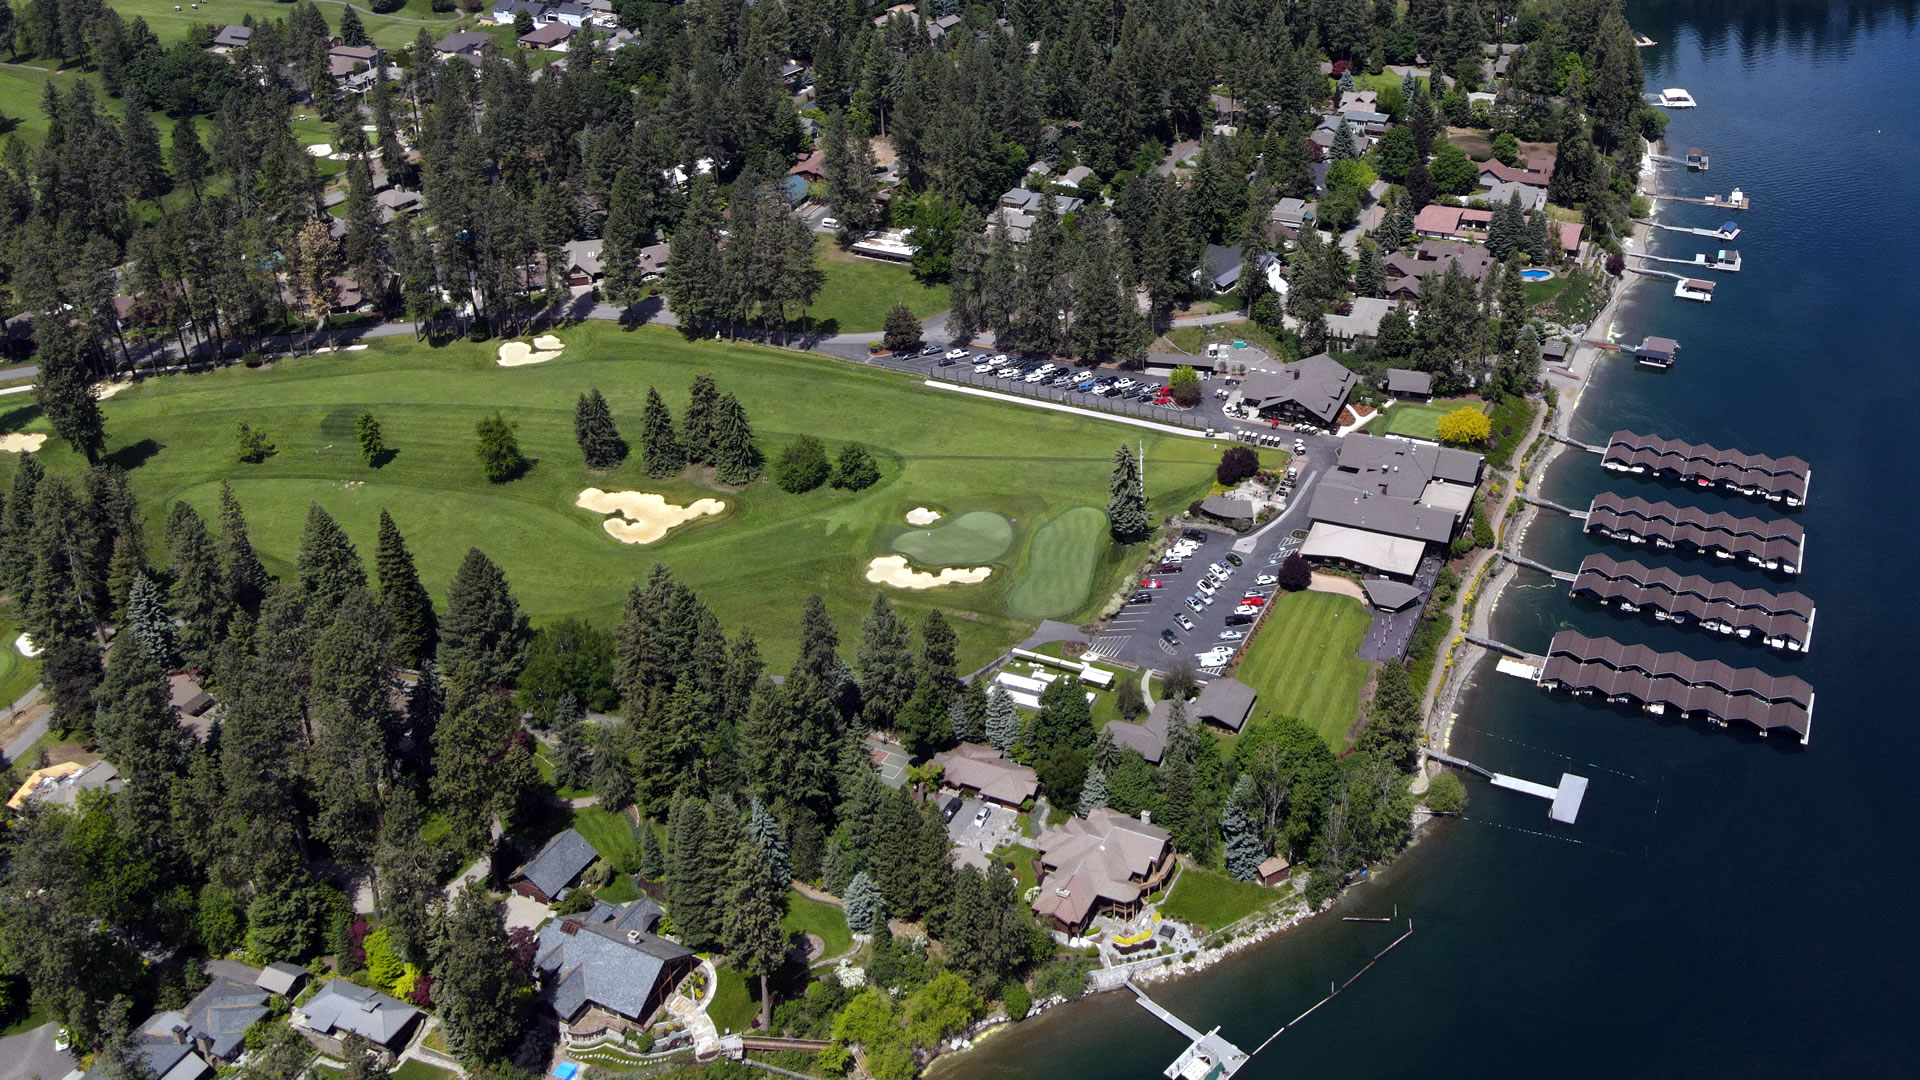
(31, 1053)
(1002, 827)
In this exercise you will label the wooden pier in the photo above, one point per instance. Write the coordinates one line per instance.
(1532, 564)
(1728, 232)
(1736, 201)
(1725, 260)
(1207, 1055)
(1551, 505)
(1564, 799)
(1576, 443)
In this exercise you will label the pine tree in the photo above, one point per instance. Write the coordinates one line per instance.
(1126, 500)
(200, 595)
(855, 470)
(693, 892)
(771, 839)
(886, 664)
(498, 449)
(1343, 148)
(144, 175)
(188, 156)
(350, 719)
(149, 623)
(64, 387)
(1003, 719)
(1370, 278)
(409, 610)
(696, 284)
(611, 773)
(939, 648)
(482, 766)
(659, 446)
(406, 870)
(697, 423)
(16, 524)
(485, 632)
(476, 984)
(373, 445)
(593, 429)
(126, 565)
(1093, 793)
(351, 30)
(735, 459)
(865, 907)
(653, 861)
(968, 712)
(1245, 852)
(1177, 795)
(572, 763)
(750, 922)
(246, 577)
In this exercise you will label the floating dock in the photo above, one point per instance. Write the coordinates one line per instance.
(1781, 621)
(1694, 289)
(1654, 352)
(1780, 480)
(1670, 682)
(1778, 545)
(1726, 260)
(1206, 1057)
(1736, 201)
(1695, 161)
(1727, 232)
(1564, 798)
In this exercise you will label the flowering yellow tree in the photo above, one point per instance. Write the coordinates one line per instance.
(1465, 426)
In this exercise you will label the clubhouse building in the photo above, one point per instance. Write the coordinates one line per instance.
(1386, 503)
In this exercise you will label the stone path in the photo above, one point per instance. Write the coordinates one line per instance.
(693, 1015)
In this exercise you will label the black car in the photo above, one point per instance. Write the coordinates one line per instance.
(1140, 598)
(1234, 559)
(1239, 620)
(946, 361)
(1196, 534)
(950, 807)
(1170, 568)
(1170, 637)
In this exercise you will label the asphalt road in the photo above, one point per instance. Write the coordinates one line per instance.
(31, 1054)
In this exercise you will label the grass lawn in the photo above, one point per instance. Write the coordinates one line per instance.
(17, 673)
(32, 1018)
(611, 833)
(1303, 664)
(545, 764)
(1512, 419)
(1540, 293)
(391, 30)
(755, 563)
(734, 1007)
(1419, 421)
(1021, 859)
(415, 1069)
(1204, 898)
(806, 915)
(859, 292)
(618, 891)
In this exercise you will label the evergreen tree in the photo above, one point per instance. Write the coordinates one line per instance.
(145, 177)
(968, 712)
(939, 650)
(1394, 718)
(653, 861)
(16, 525)
(856, 470)
(886, 664)
(750, 922)
(697, 423)
(351, 31)
(1126, 499)
(187, 155)
(696, 285)
(350, 719)
(693, 882)
(373, 445)
(482, 766)
(1003, 719)
(1343, 148)
(593, 429)
(406, 873)
(902, 330)
(64, 387)
(498, 449)
(572, 762)
(149, 623)
(200, 594)
(771, 840)
(1177, 795)
(924, 721)
(1370, 278)
(485, 632)
(409, 610)
(1093, 793)
(1245, 852)
(735, 459)
(659, 446)
(611, 773)
(477, 987)
(865, 907)
(246, 576)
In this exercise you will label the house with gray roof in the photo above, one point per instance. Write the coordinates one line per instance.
(1386, 502)
(1311, 389)
(1222, 508)
(1410, 385)
(601, 971)
(342, 1008)
(184, 1044)
(281, 978)
(230, 38)
(555, 866)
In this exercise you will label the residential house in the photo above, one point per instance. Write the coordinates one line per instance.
(1224, 703)
(604, 971)
(1405, 272)
(1361, 321)
(1452, 222)
(653, 261)
(1289, 216)
(988, 773)
(1366, 122)
(552, 37)
(572, 15)
(942, 26)
(342, 1008)
(1360, 99)
(468, 45)
(581, 260)
(1031, 201)
(793, 189)
(282, 978)
(1274, 871)
(553, 868)
(1102, 863)
(355, 66)
(1312, 389)
(505, 11)
(1220, 268)
(192, 705)
(61, 784)
(1569, 234)
(396, 201)
(792, 74)
(1076, 176)
(1407, 385)
(812, 168)
(1554, 350)
(230, 38)
(1537, 171)
(1501, 192)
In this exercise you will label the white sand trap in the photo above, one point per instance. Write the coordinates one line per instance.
(893, 570)
(520, 354)
(320, 150)
(22, 444)
(648, 516)
(920, 515)
(26, 646)
(548, 341)
(105, 390)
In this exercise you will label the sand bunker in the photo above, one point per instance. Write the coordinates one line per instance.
(520, 354)
(22, 444)
(105, 390)
(648, 517)
(320, 150)
(26, 646)
(548, 341)
(893, 570)
(920, 515)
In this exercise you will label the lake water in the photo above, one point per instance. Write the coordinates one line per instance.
(1727, 906)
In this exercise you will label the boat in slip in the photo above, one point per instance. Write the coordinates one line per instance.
(1675, 98)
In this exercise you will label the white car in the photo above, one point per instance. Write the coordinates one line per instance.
(1007, 372)
(956, 354)
(1266, 579)
(999, 358)
(1036, 375)
(1247, 609)
(1185, 623)
(829, 223)
(983, 367)
(1125, 384)
(1232, 635)
(980, 818)
(1217, 658)
(1206, 587)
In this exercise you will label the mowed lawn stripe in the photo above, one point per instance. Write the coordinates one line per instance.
(1303, 662)
(1057, 574)
(754, 565)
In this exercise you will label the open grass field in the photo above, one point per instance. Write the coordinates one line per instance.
(970, 539)
(1418, 421)
(735, 1006)
(610, 833)
(859, 292)
(1204, 898)
(1303, 664)
(809, 916)
(17, 673)
(754, 564)
(415, 1069)
(391, 30)
(1059, 566)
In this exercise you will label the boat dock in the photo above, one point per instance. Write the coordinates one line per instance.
(1564, 799)
(1736, 201)
(1695, 161)
(1727, 232)
(1657, 352)
(1661, 682)
(1551, 505)
(1531, 564)
(1781, 480)
(1725, 260)
(1781, 621)
(1778, 545)
(1207, 1056)
(1576, 443)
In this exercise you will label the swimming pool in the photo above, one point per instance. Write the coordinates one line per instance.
(1536, 274)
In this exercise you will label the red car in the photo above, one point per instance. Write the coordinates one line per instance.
(1256, 601)
(1150, 583)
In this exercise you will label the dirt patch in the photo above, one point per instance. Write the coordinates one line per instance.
(1334, 583)
(920, 515)
(18, 443)
(893, 570)
(642, 517)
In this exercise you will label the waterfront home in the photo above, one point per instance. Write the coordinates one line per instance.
(1099, 864)
(1501, 192)
(1657, 351)
(605, 971)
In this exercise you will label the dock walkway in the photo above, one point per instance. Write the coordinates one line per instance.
(1564, 799)
(1551, 505)
(1207, 1054)
(1576, 443)
(1534, 564)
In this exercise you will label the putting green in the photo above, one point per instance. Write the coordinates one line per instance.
(1059, 566)
(972, 539)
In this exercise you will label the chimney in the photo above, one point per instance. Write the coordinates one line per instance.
(569, 927)
(179, 1033)
(633, 937)
(1146, 817)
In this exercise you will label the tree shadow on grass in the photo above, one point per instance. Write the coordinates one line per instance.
(380, 459)
(19, 416)
(134, 455)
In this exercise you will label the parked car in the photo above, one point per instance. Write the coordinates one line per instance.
(1151, 583)
(1238, 620)
(1036, 375)
(1169, 568)
(983, 367)
(1246, 609)
(1235, 559)
(1170, 638)
(1253, 601)
(956, 354)
(947, 360)
(829, 223)
(1266, 579)
(980, 818)
(1206, 588)
(1232, 635)
(1193, 602)
(1140, 598)
(1185, 623)
(950, 807)
(1196, 535)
